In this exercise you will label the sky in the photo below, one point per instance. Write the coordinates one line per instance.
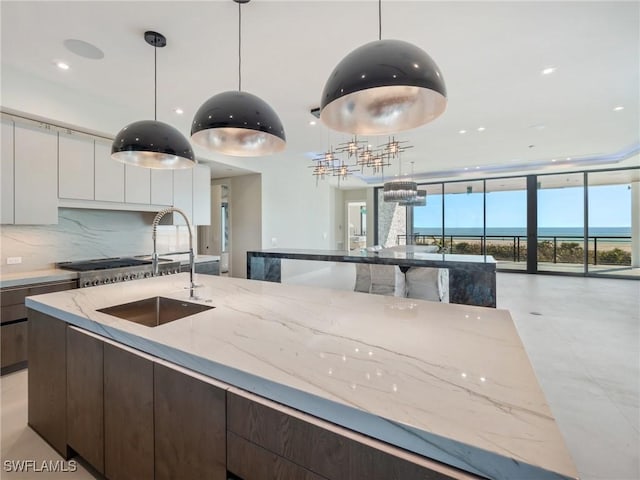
(609, 206)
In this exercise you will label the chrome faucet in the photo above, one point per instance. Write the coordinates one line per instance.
(154, 256)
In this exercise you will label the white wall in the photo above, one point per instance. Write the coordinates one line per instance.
(245, 207)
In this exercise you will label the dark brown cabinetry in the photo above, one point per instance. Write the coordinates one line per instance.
(85, 397)
(47, 401)
(190, 427)
(128, 415)
(251, 462)
(135, 417)
(13, 318)
(279, 438)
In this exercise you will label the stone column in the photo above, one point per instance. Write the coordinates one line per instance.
(635, 224)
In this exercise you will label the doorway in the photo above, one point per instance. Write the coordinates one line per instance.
(356, 225)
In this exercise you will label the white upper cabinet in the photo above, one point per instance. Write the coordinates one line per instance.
(183, 194)
(76, 166)
(137, 185)
(161, 187)
(6, 174)
(201, 195)
(109, 175)
(36, 175)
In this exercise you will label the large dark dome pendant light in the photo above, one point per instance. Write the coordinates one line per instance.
(238, 123)
(383, 87)
(149, 143)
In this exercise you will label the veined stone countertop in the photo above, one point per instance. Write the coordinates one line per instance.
(450, 382)
(46, 275)
(386, 255)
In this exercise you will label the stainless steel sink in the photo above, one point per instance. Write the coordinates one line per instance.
(155, 311)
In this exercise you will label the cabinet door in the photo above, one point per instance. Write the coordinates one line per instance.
(85, 415)
(109, 175)
(190, 427)
(13, 346)
(183, 194)
(161, 187)
(128, 415)
(75, 166)
(6, 174)
(36, 176)
(46, 340)
(201, 195)
(137, 184)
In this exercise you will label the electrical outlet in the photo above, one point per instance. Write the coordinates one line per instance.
(14, 260)
(274, 242)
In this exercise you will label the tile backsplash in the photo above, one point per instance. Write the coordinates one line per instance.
(86, 234)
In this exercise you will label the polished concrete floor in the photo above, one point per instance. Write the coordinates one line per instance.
(582, 336)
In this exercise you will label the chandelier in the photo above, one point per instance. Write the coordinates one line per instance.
(355, 155)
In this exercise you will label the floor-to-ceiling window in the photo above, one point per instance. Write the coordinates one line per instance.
(464, 217)
(427, 220)
(561, 223)
(506, 207)
(587, 222)
(611, 221)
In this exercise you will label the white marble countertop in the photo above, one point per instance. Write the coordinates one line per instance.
(451, 382)
(46, 275)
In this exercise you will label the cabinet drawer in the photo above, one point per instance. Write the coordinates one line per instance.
(326, 450)
(16, 295)
(13, 348)
(251, 462)
(316, 449)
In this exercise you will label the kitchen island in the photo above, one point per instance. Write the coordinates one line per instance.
(449, 385)
(472, 278)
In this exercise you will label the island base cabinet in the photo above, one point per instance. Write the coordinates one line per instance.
(128, 415)
(47, 379)
(85, 405)
(265, 438)
(190, 427)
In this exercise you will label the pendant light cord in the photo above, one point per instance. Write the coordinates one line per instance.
(379, 19)
(239, 47)
(155, 80)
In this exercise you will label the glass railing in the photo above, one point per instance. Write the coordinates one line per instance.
(601, 250)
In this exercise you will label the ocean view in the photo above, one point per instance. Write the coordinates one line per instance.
(542, 231)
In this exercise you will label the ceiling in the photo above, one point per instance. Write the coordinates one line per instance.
(491, 55)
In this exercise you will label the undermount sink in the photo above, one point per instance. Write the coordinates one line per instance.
(155, 311)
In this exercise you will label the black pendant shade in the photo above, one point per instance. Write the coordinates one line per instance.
(383, 87)
(152, 144)
(239, 124)
(149, 143)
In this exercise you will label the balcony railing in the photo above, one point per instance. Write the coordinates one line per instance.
(614, 250)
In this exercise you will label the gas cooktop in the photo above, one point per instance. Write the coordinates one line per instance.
(102, 264)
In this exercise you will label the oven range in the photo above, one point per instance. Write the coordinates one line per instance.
(112, 270)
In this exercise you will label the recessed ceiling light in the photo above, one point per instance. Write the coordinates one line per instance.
(618, 108)
(462, 131)
(62, 65)
(83, 49)
(568, 158)
(553, 159)
(179, 111)
(481, 129)
(477, 168)
(548, 70)
(312, 122)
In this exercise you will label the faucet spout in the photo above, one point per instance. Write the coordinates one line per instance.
(154, 256)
